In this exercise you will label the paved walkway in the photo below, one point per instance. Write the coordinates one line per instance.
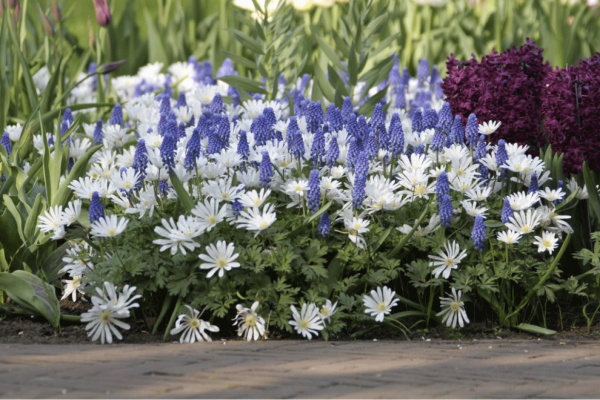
(291, 369)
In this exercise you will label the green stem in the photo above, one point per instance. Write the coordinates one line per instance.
(544, 278)
(70, 318)
(406, 238)
(172, 320)
(163, 311)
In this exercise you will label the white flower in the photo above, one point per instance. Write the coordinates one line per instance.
(487, 128)
(522, 200)
(209, 215)
(178, 236)
(308, 322)
(447, 260)
(453, 310)
(380, 303)
(582, 194)
(59, 233)
(193, 327)
(253, 198)
(126, 180)
(71, 213)
(219, 258)
(110, 226)
(255, 220)
(51, 220)
(327, 311)
(524, 221)
(472, 209)
(302, 5)
(250, 324)
(14, 132)
(104, 317)
(547, 242)
(552, 194)
(72, 287)
(509, 237)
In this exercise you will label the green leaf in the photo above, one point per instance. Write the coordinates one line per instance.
(590, 184)
(243, 83)
(330, 53)
(535, 329)
(156, 48)
(29, 85)
(63, 194)
(32, 293)
(370, 104)
(326, 88)
(252, 44)
(184, 197)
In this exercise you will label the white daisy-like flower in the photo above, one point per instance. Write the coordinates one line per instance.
(479, 193)
(209, 214)
(453, 310)
(524, 221)
(193, 327)
(547, 242)
(71, 213)
(307, 322)
(51, 220)
(126, 180)
(256, 220)
(522, 200)
(447, 259)
(72, 286)
(249, 323)
(472, 209)
(178, 236)
(110, 226)
(219, 258)
(552, 194)
(253, 198)
(59, 233)
(327, 310)
(509, 237)
(380, 302)
(489, 127)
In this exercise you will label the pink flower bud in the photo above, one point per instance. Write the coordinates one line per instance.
(102, 12)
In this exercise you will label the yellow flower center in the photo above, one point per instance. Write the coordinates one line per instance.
(212, 219)
(420, 190)
(194, 323)
(324, 312)
(263, 225)
(381, 306)
(105, 317)
(449, 262)
(546, 243)
(454, 306)
(357, 226)
(250, 320)
(221, 262)
(303, 324)
(111, 232)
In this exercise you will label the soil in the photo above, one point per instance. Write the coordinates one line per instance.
(27, 329)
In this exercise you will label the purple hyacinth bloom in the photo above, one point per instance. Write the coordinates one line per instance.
(223, 129)
(333, 152)
(396, 135)
(167, 150)
(192, 151)
(442, 186)
(67, 121)
(98, 135)
(226, 68)
(243, 149)
(347, 110)
(163, 187)
(479, 233)
(439, 138)
(270, 117)
(501, 153)
(216, 105)
(317, 150)
(400, 97)
(235, 96)
(237, 207)
(507, 211)
(298, 148)
(533, 186)
(96, 208)
(458, 132)
(430, 119)
(472, 131)
(358, 191)
(291, 132)
(215, 145)
(140, 158)
(165, 104)
(422, 72)
(6, 142)
(445, 211)
(265, 170)
(481, 149)
(371, 146)
(405, 76)
(353, 151)
(378, 119)
(324, 224)
(314, 116)
(362, 164)
(116, 117)
(261, 128)
(417, 121)
(314, 191)
(333, 116)
(445, 118)
(181, 101)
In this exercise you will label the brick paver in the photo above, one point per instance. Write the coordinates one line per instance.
(303, 369)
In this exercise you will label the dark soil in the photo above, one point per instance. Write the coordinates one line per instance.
(27, 329)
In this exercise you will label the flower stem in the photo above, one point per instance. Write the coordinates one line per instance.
(172, 320)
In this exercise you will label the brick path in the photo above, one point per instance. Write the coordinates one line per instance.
(290, 369)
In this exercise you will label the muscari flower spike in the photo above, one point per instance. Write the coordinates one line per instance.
(314, 191)
(96, 208)
(442, 186)
(507, 211)
(430, 119)
(98, 135)
(472, 131)
(192, 151)
(243, 149)
(534, 187)
(216, 105)
(116, 118)
(445, 211)
(457, 134)
(479, 233)
(347, 110)
(333, 116)
(181, 101)
(422, 72)
(324, 224)
(67, 121)
(333, 152)
(265, 170)
(417, 121)
(501, 153)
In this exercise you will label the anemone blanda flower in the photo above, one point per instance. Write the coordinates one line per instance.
(509, 237)
(307, 322)
(547, 242)
(447, 260)
(380, 302)
(178, 236)
(453, 310)
(219, 258)
(489, 127)
(249, 323)
(108, 227)
(193, 327)
(255, 220)
(524, 221)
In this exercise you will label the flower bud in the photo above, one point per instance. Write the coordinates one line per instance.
(46, 24)
(103, 15)
(56, 13)
(110, 66)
